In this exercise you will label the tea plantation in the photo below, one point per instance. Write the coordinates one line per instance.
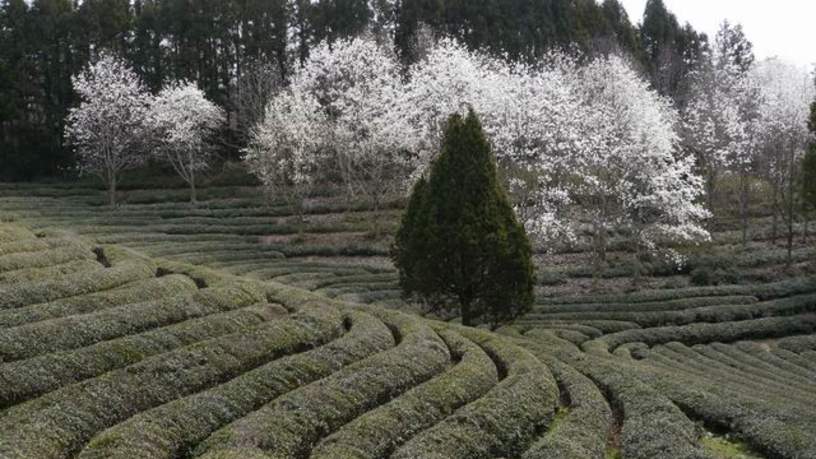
(162, 330)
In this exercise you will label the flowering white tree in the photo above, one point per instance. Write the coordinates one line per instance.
(449, 79)
(108, 128)
(286, 148)
(719, 121)
(358, 84)
(183, 119)
(629, 175)
(576, 143)
(785, 94)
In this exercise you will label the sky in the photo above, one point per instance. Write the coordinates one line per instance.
(781, 28)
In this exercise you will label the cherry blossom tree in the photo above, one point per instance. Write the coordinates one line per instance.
(183, 120)
(287, 148)
(108, 129)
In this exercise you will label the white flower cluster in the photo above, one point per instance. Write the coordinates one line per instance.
(118, 123)
(577, 142)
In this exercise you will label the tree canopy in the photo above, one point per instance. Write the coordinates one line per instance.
(460, 245)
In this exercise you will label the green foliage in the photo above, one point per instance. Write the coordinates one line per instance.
(460, 245)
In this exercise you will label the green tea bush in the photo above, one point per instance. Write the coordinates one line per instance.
(504, 420)
(172, 429)
(652, 426)
(25, 379)
(45, 427)
(700, 333)
(771, 425)
(582, 432)
(131, 293)
(42, 259)
(82, 330)
(378, 432)
(19, 295)
(291, 425)
(48, 272)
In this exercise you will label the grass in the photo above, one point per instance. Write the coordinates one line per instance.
(725, 448)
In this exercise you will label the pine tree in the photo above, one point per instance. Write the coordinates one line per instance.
(460, 246)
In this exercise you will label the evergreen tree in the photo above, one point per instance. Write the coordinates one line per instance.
(460, 246)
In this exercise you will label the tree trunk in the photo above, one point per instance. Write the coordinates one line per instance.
(467, 317)
(112, 190)
(193, 194)
(744, 196)
(600, 255)
(375, 220)
(775, 216)
(636, 267)
(806, 217)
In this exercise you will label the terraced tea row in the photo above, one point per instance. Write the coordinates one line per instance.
(173, 360)
(582, 375)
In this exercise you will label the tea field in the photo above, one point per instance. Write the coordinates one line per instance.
(226, 330)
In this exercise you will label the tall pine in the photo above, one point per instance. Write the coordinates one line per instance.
(460, 246)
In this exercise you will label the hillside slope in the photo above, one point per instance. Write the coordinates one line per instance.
(106, 352)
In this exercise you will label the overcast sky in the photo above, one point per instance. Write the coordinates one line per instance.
(783, 28)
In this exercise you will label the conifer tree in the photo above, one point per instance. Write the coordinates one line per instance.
(460, 245)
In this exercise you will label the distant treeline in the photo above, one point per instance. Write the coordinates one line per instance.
(214, 43)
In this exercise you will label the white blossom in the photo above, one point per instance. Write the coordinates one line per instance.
(108, 129)
(182, 120)
(285, 149)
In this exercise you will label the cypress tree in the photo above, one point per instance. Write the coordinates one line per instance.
(460, 246)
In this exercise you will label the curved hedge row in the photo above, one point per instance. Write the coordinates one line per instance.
(798, 344)
(44, 258)
(10, 232)
(26, 379)
(291, 425)
(582, 432)
(504, 420)
(653, 426)
(669, 305)
(19, 295)
(761, 291)
(25, 245)
(784, 306)
(772, 426)
(788, 364)
(797, 359)
(61, 422)
(377, 433)
(48, 272)
(171, 430)
(76, 331)
(700, 361)
(701, 333)
(130, 293)
(735, 358)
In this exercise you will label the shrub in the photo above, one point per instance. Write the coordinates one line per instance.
(376, 433)
(293, 423)
(134, 292)
(29, 378)
(504, 420)
(45, 427)
(172, 429)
